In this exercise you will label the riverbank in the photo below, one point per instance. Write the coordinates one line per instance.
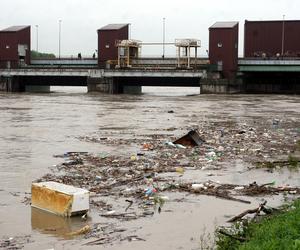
(277, 231)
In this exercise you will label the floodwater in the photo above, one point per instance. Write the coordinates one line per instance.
(34, 127)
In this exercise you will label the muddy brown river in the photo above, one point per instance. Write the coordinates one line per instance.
(34, 127)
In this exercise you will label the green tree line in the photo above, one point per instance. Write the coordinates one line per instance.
(39, 55)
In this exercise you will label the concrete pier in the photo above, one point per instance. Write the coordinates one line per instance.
(221, 86)
(107, 85)
(272, 87)
(253, 85)
(11, 84)
(111, 85)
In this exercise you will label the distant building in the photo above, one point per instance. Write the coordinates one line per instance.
(107, 37)
(223, 47)
(272, 38)
(15, 46)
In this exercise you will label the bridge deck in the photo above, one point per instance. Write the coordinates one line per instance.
(269, 65)
(98, 73)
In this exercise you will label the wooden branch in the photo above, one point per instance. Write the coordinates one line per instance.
(130, 204)
(96, 242)
(249, 211)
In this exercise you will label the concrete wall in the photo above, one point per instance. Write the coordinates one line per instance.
(12, 84)
(103, 85)
(3, 84)
(272, 88)
(221, 86)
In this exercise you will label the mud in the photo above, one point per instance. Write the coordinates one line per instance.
(123, 154)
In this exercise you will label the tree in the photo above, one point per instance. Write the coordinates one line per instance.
(40, 55)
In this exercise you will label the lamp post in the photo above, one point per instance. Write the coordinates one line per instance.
(59, 37)
(282, 38)
(129, 25)
(164, 36)
(37, 38)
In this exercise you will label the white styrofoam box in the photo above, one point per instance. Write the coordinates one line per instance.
(59, 198)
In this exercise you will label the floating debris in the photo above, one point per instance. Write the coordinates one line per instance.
(58, 198)
(191, 139)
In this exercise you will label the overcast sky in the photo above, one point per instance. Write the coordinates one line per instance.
(184, 19)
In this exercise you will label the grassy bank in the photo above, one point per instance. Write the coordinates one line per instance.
(276, 232)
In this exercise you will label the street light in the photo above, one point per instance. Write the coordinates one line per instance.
(164, 36)
(59, 37)
(129, 30)
(282, 38)
(37, 38)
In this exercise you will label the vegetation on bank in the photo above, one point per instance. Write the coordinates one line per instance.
(273, 232)
(40, 55)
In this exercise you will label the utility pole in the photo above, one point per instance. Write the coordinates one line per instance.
(164, 36)
(59, 37)
(37, 38)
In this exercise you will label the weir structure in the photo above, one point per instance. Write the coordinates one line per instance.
(271, 64)
(100, 80)
(118, 68)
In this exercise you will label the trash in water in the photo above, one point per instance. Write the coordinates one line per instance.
(147, 146)
(192, 139)
(133, 158)
(211, 156)
(72, 162)
(173, 145)
(111, 212)
(275, 123)
(159, 201)
(150, 191)
(180, 146)
(165, 198)
(149, 175)
(60, 199)
(83, 230)
(197, 186)
(179, 170)
(170, 144)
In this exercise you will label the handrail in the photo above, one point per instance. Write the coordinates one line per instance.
(269, 58)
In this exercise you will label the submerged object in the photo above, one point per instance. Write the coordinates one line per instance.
(192, 139)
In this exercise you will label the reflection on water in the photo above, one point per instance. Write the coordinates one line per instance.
(65, 89)
(156, 91)
(48, 223)
(171, 91)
